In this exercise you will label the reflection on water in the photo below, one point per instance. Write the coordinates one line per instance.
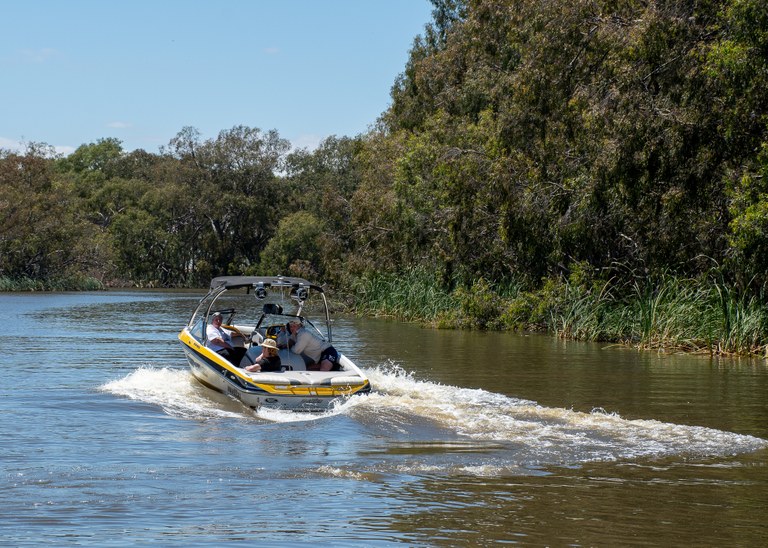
(468, 439)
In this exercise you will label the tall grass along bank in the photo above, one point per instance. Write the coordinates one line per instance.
(666, 313)
(70, 283)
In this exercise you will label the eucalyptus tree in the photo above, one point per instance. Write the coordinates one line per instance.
(43, 235)
(234, 185)
(298, 248)
(322, 182)
(735, 87)
(533, 135)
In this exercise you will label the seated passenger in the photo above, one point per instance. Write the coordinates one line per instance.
(220, 341)
(283, 335)
(322, 356)
(268, 360)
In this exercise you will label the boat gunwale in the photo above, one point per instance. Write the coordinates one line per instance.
(249, 381)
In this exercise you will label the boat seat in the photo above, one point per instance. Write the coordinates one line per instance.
(274, 378)
(288, 360)
(293, 361)
(343, 380)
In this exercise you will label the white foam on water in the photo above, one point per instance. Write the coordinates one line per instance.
(543, 434)
(179, 394)
(284, 416)
(174, 390)
(528, 433)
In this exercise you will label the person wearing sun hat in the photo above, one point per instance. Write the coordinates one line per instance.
(268, 360)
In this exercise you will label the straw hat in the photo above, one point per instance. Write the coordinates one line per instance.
(269, 343)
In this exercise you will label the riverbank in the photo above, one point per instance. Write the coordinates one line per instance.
(68, 283)
(667, 313)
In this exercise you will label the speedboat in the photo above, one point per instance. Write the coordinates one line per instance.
(264, 306)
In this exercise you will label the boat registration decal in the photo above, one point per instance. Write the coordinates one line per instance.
(234, 393)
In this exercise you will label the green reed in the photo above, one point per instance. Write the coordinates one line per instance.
(581, 312)
(671, 313)
(743, 321)
(412, 295)
(66, 283)
(666, 312)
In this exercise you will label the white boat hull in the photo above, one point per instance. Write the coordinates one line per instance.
(289, 390)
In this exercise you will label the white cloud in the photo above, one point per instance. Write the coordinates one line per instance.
(272, 50)
(64, 150)
(119, 125)
(310, 142)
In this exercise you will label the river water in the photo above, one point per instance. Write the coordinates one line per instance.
(469, 439)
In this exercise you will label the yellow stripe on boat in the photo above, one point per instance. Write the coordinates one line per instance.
(308, 390)
(277, 388)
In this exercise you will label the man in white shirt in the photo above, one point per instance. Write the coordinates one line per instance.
(221, 342)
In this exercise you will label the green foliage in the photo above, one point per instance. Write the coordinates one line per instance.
(749, 225)
(296, 248)
(94, 157)
(42, 234)
(575, 122)
(323, 183)
(229, 188)
(411, 295)
(139, 238)
(479, 307)
(668, 313)
(71, 283)
(569, 166)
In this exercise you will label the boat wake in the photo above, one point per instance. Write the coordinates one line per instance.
(176, 392)
(538, 434)
(425, 416)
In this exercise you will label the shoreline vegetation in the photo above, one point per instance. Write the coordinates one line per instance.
(68, 283)
(701, 316)
(671, 314)
(595, 170)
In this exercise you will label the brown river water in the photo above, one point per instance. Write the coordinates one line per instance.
(469, 439)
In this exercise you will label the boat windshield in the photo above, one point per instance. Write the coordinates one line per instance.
(251, 311)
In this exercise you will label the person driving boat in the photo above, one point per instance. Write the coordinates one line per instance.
(220, 341)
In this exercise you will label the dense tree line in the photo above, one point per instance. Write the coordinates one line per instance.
(524, 137)
(625, 133)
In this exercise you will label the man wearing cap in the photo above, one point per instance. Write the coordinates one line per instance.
(220, 341)
(322, 355)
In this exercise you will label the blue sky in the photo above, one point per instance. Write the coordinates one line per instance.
(75, 71)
